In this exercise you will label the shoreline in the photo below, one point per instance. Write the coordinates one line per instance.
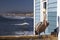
(18, 14)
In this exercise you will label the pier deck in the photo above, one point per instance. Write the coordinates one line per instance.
(29, 37)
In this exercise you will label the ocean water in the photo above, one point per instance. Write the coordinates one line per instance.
(16, 26)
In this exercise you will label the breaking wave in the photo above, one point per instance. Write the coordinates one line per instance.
(25, 23)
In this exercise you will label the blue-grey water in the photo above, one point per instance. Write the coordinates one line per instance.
(16, 26)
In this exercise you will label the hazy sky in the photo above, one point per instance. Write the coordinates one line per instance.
(16, 5)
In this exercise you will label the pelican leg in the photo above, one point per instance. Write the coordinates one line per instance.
(39, 35)
(44, 35)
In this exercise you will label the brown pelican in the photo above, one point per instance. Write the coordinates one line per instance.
(41, 28)
(42, 25)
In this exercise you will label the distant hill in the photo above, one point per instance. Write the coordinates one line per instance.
(18, 12)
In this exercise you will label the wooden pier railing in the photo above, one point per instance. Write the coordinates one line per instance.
(28, 37)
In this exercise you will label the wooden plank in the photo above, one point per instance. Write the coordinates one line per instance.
(28, 37)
